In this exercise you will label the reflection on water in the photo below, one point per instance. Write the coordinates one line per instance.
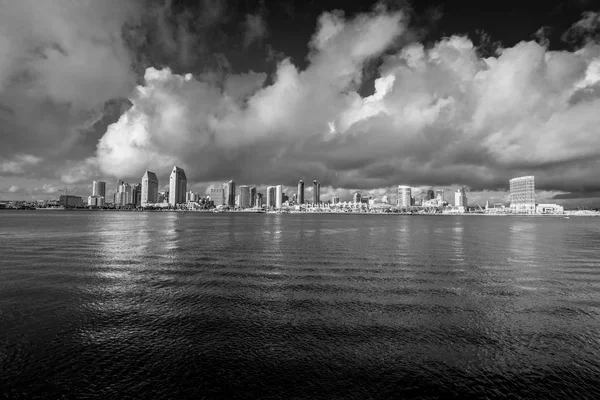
(185, 305)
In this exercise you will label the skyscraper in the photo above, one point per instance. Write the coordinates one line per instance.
(439, 194)
(404, 196)
(149, 188)
(316, 192)
(522, 195)
(136, 194)
(460, 198)
(270, 196)
(300, 192)
(244, 196)
(177, 186)
(252, 196)
(430, 195)
(231, 193)
(99, 188)
(278, 196)
(259, 200)
(356, 198)
(217, 196)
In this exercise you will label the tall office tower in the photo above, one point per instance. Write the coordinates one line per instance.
(316, 192)
(244, 196)
(177, 186)
(217, 196)
(259, 200)
(439, 194)
(117, 194)
(136, 194)
(278, 196)
(336, 200)
(460, 197)
(149, 188)
(522, 195)
(300, 192)
(356, 197)
(252, 196)
(430, 195)
(270, 196)
(385, 199)
(231, 193)
(404, 196)
(123, 195)
(99, 188)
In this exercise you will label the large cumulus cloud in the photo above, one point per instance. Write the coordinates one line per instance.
(441, 115)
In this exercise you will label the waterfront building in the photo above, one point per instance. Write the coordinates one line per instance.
(522, 195)
(270, 196)
(217, 195)
(385, 199)
(439, 195)
(336, 200)
(230, 194)
(549, 209)
(460, 198)
(300, 191)
(96, 201)
(70, 200)
(404, 196)
(99, 188)
(316, 192)
(259, 200)
(278, 196)
(191, 197)
(252, 196)
(136, 194)
(430, 195)
(356, 198)
(244, 197)
(123, 195)
(149, 188)
(177, 186)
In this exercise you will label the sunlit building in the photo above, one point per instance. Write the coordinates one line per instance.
(99, 188)
(177, 186)
(149, 188)
(278, 196)
(522, 195)
(96, 201)
(439, 195)
(404, 196)
(460, 198)
(356, 198)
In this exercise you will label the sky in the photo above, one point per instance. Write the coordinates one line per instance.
(361, 96)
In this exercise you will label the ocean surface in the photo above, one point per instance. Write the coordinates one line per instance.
(102, 305)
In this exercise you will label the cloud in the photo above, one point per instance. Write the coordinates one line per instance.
(14, 189)
(19, 164)
(255, 29)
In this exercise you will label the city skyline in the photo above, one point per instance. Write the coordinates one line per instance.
(396, 92)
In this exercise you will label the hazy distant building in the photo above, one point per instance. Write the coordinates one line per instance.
(316, 192)
(217, 196)
(99, 188)
(278, 196)
(385, 199)
(259, 200)
(336, 200)
(430, 195)
(191, 197)
(404, 196)
(356, 198)
(244, 196)
(136, 194)
(460, 198)
(270, 196)
(149, 188)
(439, 195)
(522, 195)
(301, 192)
(177, 186)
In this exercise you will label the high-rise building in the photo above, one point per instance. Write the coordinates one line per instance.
(300, 192)
(99, 188)
(356, 198)
(404, 196)
(439, 194)
(270, 196)
(316, 192)
(231, 193)
(136, 194)
(460, 197)
(177, 186)
(123, 195)
(430, 195)
(217, 196)
(252, 196)
(259, 200)
(336, 200)
(244, 196)
(385, 199)
(522, 195)
(278, 196)
(149, 188)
